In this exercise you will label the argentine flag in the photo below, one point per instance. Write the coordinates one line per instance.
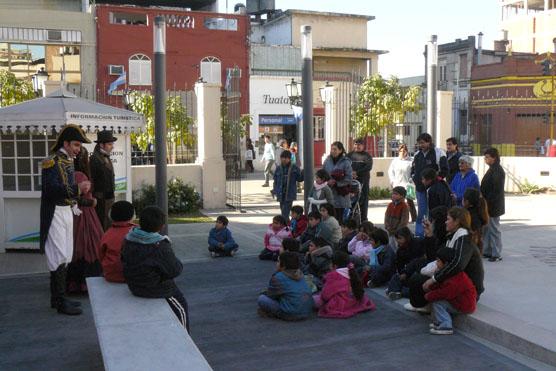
(121, 80)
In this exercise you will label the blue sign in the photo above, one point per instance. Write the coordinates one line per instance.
(277, 120)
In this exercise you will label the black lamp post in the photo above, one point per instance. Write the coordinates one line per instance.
(293, 89)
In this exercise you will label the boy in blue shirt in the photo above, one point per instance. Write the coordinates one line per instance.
(220, 240)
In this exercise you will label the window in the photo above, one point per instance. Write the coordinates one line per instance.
(22, 154)
(224, 24)
(443, 76)
(318, 127)
(135, 19)
(463, 67)
(211, 70)
(139, 70)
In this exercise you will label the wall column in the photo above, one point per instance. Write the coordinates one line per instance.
(330, 120)
(444, 117)
(209, 145)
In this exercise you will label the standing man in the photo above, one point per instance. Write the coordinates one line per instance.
(453, 154)
(428, 156)
(268, 158)
(59, 194)
(102, 175)
(362, 164)
(285, 183)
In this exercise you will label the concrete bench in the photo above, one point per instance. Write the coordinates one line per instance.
(140, 334)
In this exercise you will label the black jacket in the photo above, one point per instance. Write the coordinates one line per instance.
(467, 258)
(439, 194)
(344, 241)
(492, 188)
(404, 256)
(453, 166)
(149, 270)
(422, 161)
(102, 175)
(362, 164)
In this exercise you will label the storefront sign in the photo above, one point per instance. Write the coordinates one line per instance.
(277, 120)
(268, 99)
(118, 158)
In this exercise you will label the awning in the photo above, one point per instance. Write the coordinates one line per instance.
(61, 108)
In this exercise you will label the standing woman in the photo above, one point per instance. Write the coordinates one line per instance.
(338, 165)
(87, 230)
(249, 156)
(492, 188)
(400, 176)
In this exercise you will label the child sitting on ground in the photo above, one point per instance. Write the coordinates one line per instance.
(382, 259)
(455, 295)
(331, 231)
(397, 214)
(150, 265)
(319, 259)
(288, 297)
(360, 246)
(410, 249)
(342, 295)
(298, 223)
(110, 247)
(349, 230)
(273, 238)
(220, 240)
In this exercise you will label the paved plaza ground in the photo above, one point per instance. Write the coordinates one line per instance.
(519, 299)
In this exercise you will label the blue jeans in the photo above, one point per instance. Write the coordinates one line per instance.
(492, 241)
(441, 314)
(422, 210)
(269, 305)
(285, 208)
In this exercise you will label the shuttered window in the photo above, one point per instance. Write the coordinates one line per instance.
(211, 70)
(140, 70)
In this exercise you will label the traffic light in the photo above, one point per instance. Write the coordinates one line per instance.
(546, 67)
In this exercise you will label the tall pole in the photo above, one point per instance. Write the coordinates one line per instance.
(432, 60)
(307, 93)
(160, 114)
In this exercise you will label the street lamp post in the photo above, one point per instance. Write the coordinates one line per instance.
(159, 41)
(293, 90)
(307, 92)
(432, 60)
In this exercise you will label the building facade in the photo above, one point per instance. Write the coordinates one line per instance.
(198, 44)
(510, 106)
(340, 57)
(529, 25)
(57, 36)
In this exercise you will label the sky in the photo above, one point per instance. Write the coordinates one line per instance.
(402, 27)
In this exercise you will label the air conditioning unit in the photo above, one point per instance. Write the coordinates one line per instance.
(115, 69)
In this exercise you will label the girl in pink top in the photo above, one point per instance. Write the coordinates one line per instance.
(273, 238)
(343, 295)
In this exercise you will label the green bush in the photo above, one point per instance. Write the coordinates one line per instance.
(182, 198)
(377, 193)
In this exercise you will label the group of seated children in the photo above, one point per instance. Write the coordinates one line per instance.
(333, 266)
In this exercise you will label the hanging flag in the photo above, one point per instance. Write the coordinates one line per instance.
(121, 80)
(298, 112)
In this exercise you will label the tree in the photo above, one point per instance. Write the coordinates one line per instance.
(382, 103)
(178, 123)
(14, 90)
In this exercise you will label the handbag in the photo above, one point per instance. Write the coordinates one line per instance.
(410, 191)
(249, 155)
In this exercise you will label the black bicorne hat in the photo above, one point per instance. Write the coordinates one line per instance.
(70, 133)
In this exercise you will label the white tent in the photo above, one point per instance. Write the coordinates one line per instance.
(27, 131)
(61, 107)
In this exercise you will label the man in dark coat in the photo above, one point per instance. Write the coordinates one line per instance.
(58, 206)
(438, 191)
(492, 188)
(362, 164)
(453, 154)
(428, 156)
(102, 176)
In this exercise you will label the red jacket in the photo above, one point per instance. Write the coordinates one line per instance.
(110, 248)
(458, 291)
(300, 227)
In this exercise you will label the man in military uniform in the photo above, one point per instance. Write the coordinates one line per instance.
(58, 205)
(102, 176)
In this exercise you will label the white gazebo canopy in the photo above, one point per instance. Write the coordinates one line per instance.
(61, 108)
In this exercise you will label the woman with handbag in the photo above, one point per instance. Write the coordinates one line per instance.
(338, 165)
(400, 176)
(249, 156)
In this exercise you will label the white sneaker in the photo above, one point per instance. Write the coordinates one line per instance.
(233, 252)
(213, 254)
(433, 325)
(411, 308)
(441, 331)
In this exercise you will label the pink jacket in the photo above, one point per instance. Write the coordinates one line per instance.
(360, 248)
(273, 240)
(338, 301)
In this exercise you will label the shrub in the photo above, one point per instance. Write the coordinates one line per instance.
(182, 198)
(377, 193)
